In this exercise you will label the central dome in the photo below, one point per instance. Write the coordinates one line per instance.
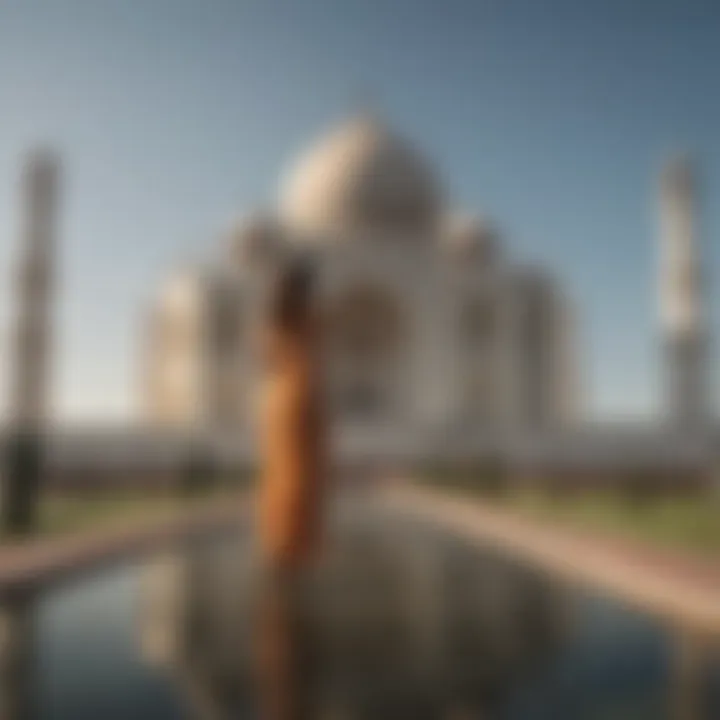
(360, 178)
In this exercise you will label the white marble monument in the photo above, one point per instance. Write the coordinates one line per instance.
(434, 331)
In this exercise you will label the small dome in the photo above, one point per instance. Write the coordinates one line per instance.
(360, 178)
(255, 238)
(469, 237)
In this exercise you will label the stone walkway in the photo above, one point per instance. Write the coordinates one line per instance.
(42, 560)
(672, 585)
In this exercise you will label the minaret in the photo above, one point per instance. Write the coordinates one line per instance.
(681, 300)
(30, 346)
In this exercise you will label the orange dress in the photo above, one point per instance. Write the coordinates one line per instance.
(292, 453)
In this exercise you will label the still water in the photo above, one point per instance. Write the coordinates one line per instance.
(401, 620)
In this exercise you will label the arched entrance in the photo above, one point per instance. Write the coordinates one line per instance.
(367, 345)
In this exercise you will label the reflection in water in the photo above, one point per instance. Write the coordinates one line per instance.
(398, 621)
(17, 657)
(286, 666)
(395, 622)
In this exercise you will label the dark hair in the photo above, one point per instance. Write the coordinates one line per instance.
(291, 296)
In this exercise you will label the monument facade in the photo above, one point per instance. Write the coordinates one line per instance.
(433, 330)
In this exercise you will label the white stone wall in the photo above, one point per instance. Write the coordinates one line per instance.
(432, 390)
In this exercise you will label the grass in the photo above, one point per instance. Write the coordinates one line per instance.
(690, 523)
(61, 514)
(71, 514)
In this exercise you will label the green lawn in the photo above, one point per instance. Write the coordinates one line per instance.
(688, 523)
(63, 514)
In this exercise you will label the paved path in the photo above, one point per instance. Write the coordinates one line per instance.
(48, 558)
(671, 585)
(668, 584)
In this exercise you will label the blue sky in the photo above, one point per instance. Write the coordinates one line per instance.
(173, 116)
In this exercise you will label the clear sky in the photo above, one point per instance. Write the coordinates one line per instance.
(172, 116)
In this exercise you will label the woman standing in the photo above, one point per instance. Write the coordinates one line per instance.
(292, 433)
(292, 485)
